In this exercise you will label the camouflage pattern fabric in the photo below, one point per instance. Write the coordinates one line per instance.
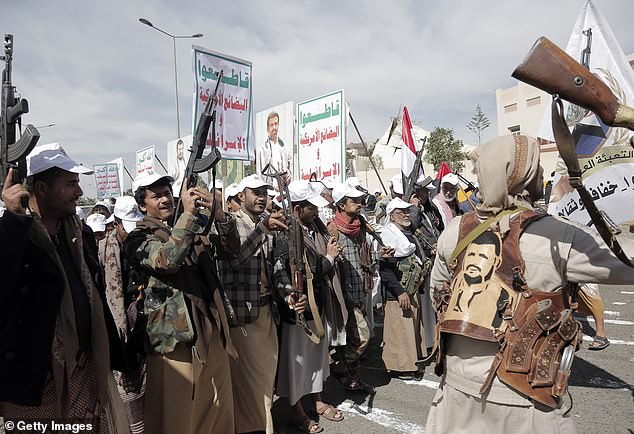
(169, 324)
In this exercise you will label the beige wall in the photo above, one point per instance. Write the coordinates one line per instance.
(520, 106)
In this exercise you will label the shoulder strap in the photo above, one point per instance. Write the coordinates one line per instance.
(480, 229)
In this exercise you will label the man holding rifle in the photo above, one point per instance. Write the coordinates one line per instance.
(356, 272)
(511, 376)
(248, 281)
(187, 326)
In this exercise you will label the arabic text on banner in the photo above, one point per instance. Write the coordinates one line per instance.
(107, 180)
(234, 114)
(145, 161)
(321, 137)
(120, 170)
(605, 157)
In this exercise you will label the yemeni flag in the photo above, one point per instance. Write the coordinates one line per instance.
(408, 155)
(442, 171)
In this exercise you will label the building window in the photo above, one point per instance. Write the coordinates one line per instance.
(515, 130)
(533, 101)
(510, 108)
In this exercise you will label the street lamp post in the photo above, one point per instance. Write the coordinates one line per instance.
(174, 38)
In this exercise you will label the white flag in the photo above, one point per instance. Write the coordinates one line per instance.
(605, 156)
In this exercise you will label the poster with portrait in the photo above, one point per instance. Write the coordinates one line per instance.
(274, 132)
(145, 161)
(234, 108)
(321, 137)
(107, 180)
(177, 156)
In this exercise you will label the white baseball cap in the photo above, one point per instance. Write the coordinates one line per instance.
(128, 211)
(148, 179)
(104, 204)
(450, 178)
(232, 190)
(345, 190)
(397, 184)
(301, 190)
(396, 203)
(271, 192)
(97, 222)
(329, 183)
(253, 181)
(44, 157)
(353, 181)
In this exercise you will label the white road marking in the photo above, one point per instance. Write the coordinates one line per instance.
(627, 292)
(426, 383)
(609, 321)
(612, 341)
(610, 312)
(381, 417)
(619, 303)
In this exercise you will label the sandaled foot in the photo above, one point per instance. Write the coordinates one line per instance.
(329, 412)
(307, 425)
(599, 343)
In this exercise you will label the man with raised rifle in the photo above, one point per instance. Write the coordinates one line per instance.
(58, 341)
(188, 379)
(248, 281)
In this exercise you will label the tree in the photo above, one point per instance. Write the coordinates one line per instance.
(479, 122)
(441, 146)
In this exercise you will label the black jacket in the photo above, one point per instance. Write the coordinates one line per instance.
(31, 288)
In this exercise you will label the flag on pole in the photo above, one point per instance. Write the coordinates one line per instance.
(443, 170)
(605, 156)
(408, 151)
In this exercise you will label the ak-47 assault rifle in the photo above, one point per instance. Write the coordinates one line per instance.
(13, 153)
(297, 257)
(197, 163)
(549, 68)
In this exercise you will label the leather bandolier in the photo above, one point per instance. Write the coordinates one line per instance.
(537, 333)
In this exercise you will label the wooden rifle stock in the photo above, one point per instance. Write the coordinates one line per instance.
(552, 70)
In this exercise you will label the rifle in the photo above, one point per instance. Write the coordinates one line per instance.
(296, 255)
(13, 153)
(409, 181)
(550, 69)
(197, 163)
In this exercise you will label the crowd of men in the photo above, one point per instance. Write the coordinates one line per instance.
(155, 317)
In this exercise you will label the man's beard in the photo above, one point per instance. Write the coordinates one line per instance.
(472, 280)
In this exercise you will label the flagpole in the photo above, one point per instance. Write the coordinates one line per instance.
(367, 153)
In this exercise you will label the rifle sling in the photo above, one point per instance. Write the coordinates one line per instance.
(567, 150)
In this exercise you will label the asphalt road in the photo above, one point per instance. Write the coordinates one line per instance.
(602, 384)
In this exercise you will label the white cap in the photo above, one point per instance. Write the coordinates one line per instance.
(353, 181)
(44, 157)
(329, 183)
(80, 213)
(253, 181)
(450, 178)
(97, 222)
(302, 190)
(128, 211)
(148, 179)
(271, 192)
(396, 203)
(231, 190)
(397, 184)
(344, 190)
(104, 204)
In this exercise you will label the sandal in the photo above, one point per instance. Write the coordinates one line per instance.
(308, 425)
(599, 343)
(329, 412)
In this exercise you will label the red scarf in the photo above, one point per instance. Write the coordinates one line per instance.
(351, 229)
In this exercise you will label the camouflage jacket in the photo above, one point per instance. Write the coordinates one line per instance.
(242, 275)
(178, 265)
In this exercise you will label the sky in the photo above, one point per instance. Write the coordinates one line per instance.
(107, 81)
